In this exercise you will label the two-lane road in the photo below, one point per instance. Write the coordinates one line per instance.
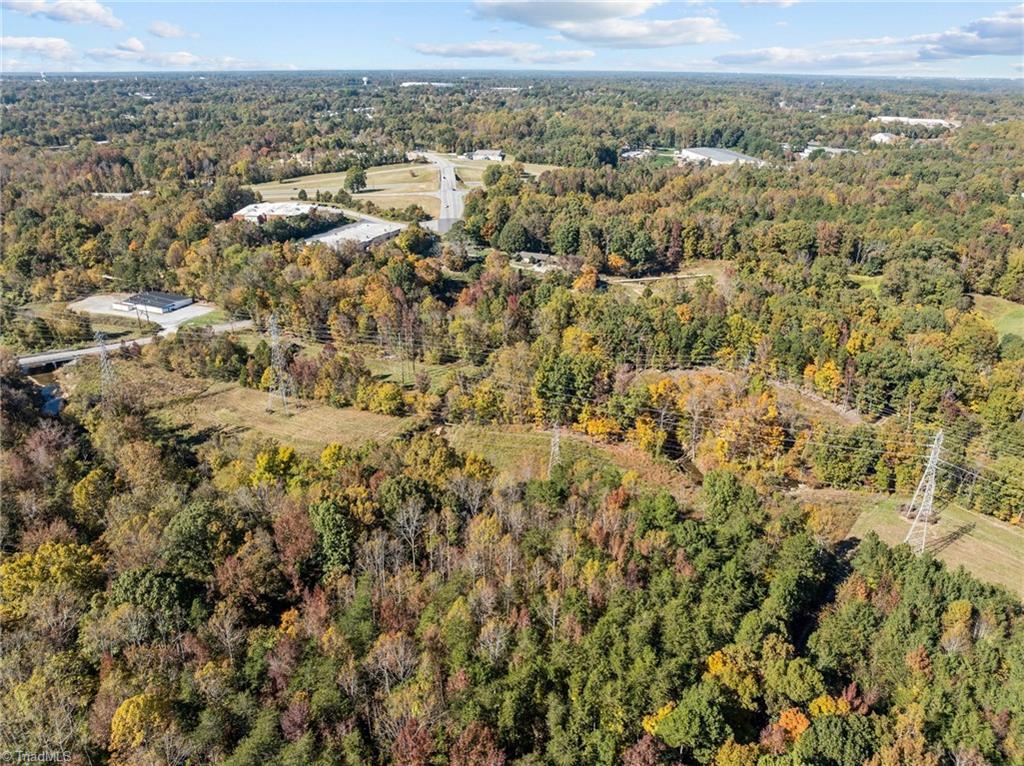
(35, 361)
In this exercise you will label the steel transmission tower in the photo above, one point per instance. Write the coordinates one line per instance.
(107, 374)
(924, 496)
(556, 446)
(277, 361)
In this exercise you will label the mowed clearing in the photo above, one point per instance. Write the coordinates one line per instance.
(203, 408)
(386, 200)
(308, 426)
(472, 171)
(521, 453)
(1007, 316)
(406, 177)
(989, 549)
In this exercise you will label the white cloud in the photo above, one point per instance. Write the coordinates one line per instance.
(524, 53)
(53, 48)
(166, 29)
(134, 52)
(998, 35)
(132, 44)
(812, 60)
(73, 11)
(541, 13)
(612, 24)
(657, 33)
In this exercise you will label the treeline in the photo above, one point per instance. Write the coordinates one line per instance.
(245, 604)
(867, 209)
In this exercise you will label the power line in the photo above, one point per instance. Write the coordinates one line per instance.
(924, 496)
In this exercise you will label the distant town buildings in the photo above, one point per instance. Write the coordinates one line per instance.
(926, 122)
(831, 151)
(490, 155)
(424, 83)
(152, 302)
(123, 195)
(260, 212)
(714, 156)
(364, 233)
(884, 138)
(636, 154)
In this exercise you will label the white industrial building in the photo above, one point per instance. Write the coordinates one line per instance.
(152, 302)
(363, 233)
(715, 156)
(260, 212)
(831, 151)
(491, 155)
(925, 122)
(884, 138)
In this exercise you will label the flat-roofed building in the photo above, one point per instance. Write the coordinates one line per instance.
(924, 122)
(363, 233)
(152, 302)
(491, 155)
(260, 212)
(884, 138)
(715, 156)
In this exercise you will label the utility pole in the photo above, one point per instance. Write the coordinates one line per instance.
(107, 374)
(556, 448)
(924, 496)
(280, 387)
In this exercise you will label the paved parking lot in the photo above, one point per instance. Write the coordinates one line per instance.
(102, 303)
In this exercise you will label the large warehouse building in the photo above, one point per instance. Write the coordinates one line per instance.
(152, 302)
(261, 212)
(363, 233)
(715, 156)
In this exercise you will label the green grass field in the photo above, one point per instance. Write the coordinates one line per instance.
(406, 177)
(384, 200)
(1007, 316)
(865, 282)
(989, 549)
(308, 426)
(521, 452)
(208, 320)
(473, 170)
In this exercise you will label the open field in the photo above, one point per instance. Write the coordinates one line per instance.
(408, 176)
(388, 199)
(309, 427)
(520, 452)
(685, 276)
(1007, 316)
(401, 372)
(203, 407)
(470, 171)
(865, 282)
(989, 549)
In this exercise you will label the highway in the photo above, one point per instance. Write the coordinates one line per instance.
(449, 193)
(44, 358)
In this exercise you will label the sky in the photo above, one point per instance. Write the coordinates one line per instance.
(921, 39)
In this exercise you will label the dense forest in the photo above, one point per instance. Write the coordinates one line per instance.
(396, 603)
(176, 597)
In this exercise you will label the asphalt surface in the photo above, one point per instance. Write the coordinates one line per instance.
(31, 361)
(451, 196)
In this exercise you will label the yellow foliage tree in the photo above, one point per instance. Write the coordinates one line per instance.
(135, 720)
(827, 379)
(650, 722)
(826, 704)
(731, 753)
